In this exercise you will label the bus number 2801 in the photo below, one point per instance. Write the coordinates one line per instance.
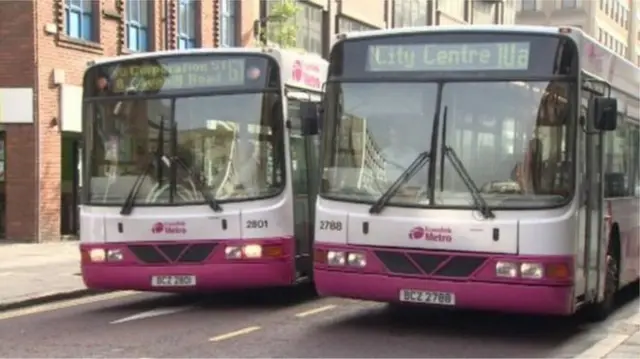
(330, 225)
(257, 223)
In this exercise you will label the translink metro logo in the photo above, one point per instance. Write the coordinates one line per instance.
(441, 234)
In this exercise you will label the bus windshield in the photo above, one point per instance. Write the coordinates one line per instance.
(225, 140)
(514, 137)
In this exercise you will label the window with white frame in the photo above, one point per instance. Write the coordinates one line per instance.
(409, 13)
(309, 27)
(79, 20)
(528, 5)
(186, 24)
(137, 15)
(568, 4)
(228, 36)
(346, 24)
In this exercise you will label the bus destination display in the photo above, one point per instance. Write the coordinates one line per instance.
(179, 74)
(490, 56)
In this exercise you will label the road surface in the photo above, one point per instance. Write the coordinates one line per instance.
(267, 324)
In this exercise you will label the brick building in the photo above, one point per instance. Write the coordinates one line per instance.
(46, 45)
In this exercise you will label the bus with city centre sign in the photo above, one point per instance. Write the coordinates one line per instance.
(199, 176)
(484, 167)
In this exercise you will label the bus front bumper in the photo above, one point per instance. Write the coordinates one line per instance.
(502, 297)
(208, 276)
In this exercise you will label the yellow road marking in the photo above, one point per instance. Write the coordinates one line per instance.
(230, 335)
(63, 304)
(315, 311)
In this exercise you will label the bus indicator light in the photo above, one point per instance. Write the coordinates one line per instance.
(320, 256)
(272, 251)
(557, 271)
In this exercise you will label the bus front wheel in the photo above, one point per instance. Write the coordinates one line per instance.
(599, 311)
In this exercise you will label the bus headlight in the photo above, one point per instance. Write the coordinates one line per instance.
(531, 270)
(335, 258)
(233, 252)
(506, 269)
(97, 255)
(114, 255)
(358, 260)
(252, 251)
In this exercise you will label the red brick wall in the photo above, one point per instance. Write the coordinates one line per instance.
(17, 70)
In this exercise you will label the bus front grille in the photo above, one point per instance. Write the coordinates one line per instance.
(430, 264)
(172, 253)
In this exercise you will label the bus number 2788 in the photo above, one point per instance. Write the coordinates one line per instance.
(330, 225)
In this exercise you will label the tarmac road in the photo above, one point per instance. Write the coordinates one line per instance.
(270, 324)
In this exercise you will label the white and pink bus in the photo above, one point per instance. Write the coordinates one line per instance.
(198, 173)
(484, 167)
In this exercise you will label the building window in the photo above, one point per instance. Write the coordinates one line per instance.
(79, 19)
(348, 25)
(569, 4)
(409, 13)
(309, 28)
(138, 25)
(528, 5)
(187, 24)
(228, 36)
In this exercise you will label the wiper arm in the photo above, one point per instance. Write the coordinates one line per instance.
(482, 205)
(208, 197)
(404, 177)
(127, 207)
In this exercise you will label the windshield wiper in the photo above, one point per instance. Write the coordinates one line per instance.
(481, 204)
(208, 197)
(404, 177)
(129, 202)
(449, 152)
(127, 207)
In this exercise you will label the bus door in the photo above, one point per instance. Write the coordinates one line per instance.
(593, 206)
(304, 164)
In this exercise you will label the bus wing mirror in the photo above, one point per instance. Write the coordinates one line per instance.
(310, 117)
(605, 113)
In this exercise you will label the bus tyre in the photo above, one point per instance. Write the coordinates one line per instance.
(601, 310)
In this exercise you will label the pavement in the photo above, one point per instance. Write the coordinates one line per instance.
(31, 273)
(279, 324)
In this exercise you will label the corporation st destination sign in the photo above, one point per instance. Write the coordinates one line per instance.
(185, 73)
(491, 56)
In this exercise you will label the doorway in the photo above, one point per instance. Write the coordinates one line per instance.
(71, 172)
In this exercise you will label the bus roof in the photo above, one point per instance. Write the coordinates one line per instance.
(449, 28)
(301, 69)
